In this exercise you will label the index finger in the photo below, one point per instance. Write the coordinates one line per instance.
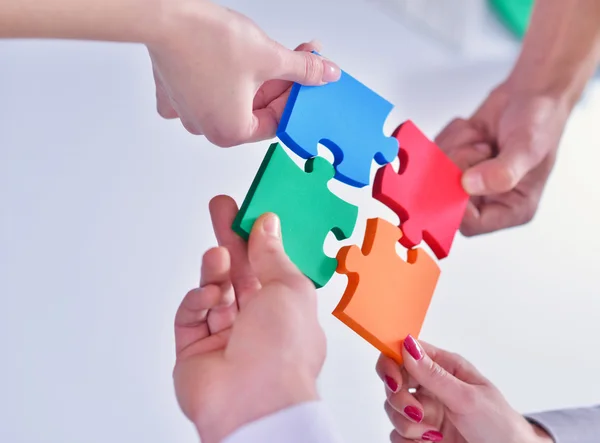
(393, 375)
(191, 319)
(223, 210)
(499, 212)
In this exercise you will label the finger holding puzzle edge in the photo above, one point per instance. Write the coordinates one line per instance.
(346, 117)
(307, 209)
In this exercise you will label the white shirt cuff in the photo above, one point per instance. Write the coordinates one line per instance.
(302, 423)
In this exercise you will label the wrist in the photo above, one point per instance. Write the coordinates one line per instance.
(563, 84)
(176, 19)
(522, 430)
(536, 434)
(250, 398)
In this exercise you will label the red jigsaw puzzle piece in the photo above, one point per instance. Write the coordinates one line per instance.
(426, 193)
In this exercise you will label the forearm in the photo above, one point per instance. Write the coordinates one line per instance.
(561, 49)
(107, 20)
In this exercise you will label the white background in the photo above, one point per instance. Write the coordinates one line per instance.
(103, 221)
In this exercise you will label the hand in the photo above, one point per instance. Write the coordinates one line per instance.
(453, 401)
(237, 365)
(224, 77)
(508, 149)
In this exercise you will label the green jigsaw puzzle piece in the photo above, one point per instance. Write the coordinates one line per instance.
(307, 209)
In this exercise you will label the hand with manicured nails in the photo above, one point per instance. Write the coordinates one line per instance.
(452, 403)
(507, 150)
(224, 77)
(248, 339)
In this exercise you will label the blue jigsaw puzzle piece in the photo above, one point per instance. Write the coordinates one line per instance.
(347, 118)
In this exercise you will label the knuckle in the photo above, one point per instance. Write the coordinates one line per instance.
(457, 122)
(218, 139)
(247, 284)
(313, 67)
(380, 365)
(396, 438)
(505, 179)
(238, 133)
(469, 399)
(190, 293)
(468, 230)
(161, 109)
(461, 365)
(191, 128)
(436, 372)
(395, 400)
(389, 410)
(529, 211)
(301, 283)
(271, 247)
(222, 138)
(401, 425)
(207, 256)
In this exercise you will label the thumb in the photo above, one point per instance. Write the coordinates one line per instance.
(503, 172)
(267, 256)
(306, 68)
(447, 376)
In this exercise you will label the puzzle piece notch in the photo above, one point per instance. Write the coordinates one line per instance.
(426, 193)
(306, 207)
(344, 116)
(386, 298)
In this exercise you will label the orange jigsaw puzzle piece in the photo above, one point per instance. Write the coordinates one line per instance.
(387, 298)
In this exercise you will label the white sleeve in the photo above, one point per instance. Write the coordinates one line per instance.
(302, 423)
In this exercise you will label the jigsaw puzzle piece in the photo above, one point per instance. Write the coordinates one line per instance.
(347, 118)
(307, 209)
(387, 298)
(426, 193)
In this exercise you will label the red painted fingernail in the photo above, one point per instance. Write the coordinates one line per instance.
(432, 436)
(391, 383)
(413, 347)
(414, 413)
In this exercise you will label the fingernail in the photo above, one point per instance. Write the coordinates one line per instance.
(413, 347)
(271, 225)
(331, 71)
(316, 44)
(473, 183)
(414, 413)
(432, 436)
(391, 383)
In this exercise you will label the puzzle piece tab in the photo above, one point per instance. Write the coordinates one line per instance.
(426, 193)
(307, 209)
(346, 117)
(387, 298)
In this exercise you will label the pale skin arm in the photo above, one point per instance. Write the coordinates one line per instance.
(214, 69)
(508, 146)
(108, 20)
(561, 50)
